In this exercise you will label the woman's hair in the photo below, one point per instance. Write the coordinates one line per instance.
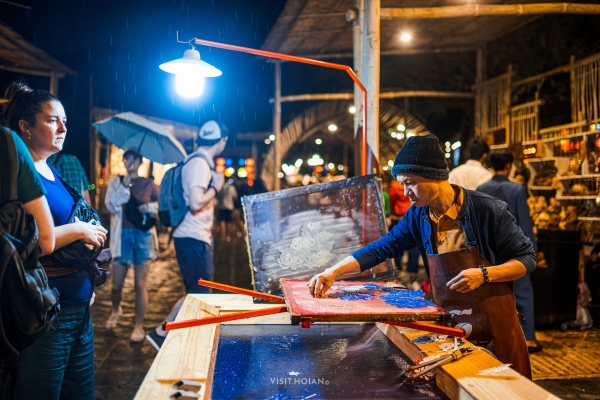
(132, 152)
(23, 103)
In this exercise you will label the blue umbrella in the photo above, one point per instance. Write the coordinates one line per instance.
(129, 131)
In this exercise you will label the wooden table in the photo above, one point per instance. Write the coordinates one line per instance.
(191, 353)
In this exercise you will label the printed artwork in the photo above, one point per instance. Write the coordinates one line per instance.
(312, 249)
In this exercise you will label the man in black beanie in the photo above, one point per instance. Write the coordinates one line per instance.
(471, 246)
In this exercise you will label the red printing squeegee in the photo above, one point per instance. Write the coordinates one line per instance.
(168, 326)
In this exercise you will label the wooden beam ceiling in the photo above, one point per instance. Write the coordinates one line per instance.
(480, 10)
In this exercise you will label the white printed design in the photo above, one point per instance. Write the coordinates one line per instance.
(311, 250)
(461, 312)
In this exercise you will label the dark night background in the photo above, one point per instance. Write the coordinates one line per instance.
(121, 43)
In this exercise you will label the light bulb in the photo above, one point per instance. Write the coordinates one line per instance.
(189, 86)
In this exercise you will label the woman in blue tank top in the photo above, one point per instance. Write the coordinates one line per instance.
(61, 362)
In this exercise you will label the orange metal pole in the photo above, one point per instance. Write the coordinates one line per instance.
(169, 326)
(304, 60)
(444, 330)
(235, 289)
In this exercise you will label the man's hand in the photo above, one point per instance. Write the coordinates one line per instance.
(319, 283)
(467, 280)
(218, 180)
(143, 208)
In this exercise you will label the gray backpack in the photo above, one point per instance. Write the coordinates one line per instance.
(171, 204)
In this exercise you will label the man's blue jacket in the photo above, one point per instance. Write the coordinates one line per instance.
(487, 223)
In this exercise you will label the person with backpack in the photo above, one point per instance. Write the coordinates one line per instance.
(29, 306)
(193, 236)
(31, 192)
(131, 200)
(61, 362)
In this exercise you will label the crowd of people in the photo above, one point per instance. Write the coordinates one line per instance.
(50, 184)
(433, 213)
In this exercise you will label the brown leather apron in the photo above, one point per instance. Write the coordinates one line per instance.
(490, 310)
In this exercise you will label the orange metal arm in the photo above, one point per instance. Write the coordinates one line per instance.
(303, 60)
(169, 326)
(444, 330)
(235, 289)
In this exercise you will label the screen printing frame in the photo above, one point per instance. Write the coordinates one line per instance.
(275, 220)
(191, 354)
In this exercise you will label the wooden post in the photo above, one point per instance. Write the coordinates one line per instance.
(53, 83)
(574, 113)
(253, 151)
(277, 126)
(536, 110)
(357, 26)
(507, 106)
(479, 73)
(93, 146)
(370, 70)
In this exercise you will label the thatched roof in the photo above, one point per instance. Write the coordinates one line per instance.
(318, 28)
(18, 55)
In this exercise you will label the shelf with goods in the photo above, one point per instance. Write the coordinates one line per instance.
(568, 161)
(565, 180)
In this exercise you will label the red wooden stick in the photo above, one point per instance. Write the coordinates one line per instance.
(444, 330)
(169, 326)
(234, 289)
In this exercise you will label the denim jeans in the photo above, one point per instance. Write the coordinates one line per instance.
(60, 364)
(137, 246)
(195, 259)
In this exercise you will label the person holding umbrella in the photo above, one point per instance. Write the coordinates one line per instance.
(131, 200)
(63, 356)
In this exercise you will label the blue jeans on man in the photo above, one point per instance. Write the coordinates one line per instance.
(195, 259)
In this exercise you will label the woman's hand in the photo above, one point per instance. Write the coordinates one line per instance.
(126, 180)
(467, 280)
(143, 208)
(92, 234)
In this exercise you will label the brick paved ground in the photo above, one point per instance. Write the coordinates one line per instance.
(121, 365)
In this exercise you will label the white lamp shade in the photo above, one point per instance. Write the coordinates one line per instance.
(190, 64)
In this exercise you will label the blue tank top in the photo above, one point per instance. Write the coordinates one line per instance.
(59, 199)
(75, 289)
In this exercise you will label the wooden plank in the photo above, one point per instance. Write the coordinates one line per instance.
(461, 379)
(480, 10)
(185, 354)
(191, 353)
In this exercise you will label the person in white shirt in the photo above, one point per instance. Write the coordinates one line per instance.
(193, 237)
(472, 173)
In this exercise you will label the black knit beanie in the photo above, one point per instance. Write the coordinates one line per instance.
(421, 155)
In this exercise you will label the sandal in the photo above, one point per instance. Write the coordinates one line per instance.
(137, 335)
(111, 322)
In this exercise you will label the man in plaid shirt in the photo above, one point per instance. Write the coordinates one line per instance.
(72, 172)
